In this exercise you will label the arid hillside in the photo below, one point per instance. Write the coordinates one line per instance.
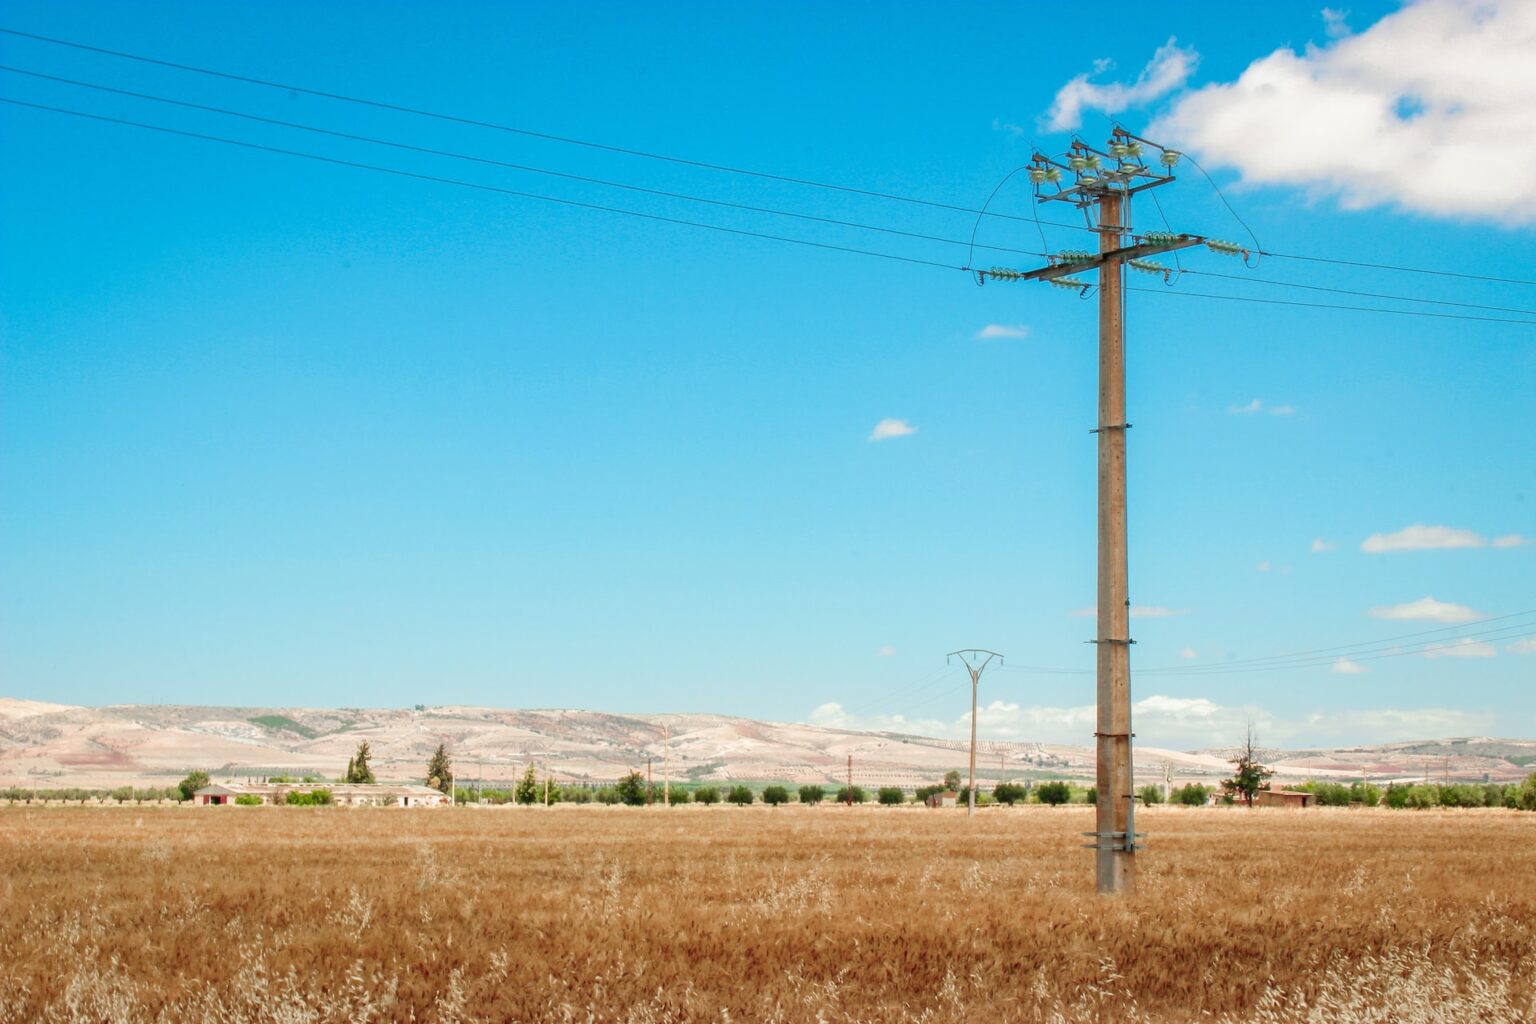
(49, 745)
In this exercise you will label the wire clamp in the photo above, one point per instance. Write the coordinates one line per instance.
(1111, 640)
(1111, 426)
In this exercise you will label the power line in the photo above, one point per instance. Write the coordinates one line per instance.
(476, 123)
(479, 186)
(1350, 291)
(1400, 269)
(350, 136)
(1333, 305)
(1518, 632)
(1366, 650)
(1367, 643)
(684, 161)
(438, 179)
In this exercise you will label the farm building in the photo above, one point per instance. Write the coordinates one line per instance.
(948, 798)
(1281, 798)
(342, 794)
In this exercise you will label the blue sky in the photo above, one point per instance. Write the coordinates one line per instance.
(280, 432)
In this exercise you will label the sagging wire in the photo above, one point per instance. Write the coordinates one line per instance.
(1169, 279)
(971, 251)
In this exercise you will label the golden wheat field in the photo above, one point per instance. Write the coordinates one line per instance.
(756, 914)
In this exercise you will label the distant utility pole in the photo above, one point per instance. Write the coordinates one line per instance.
(666, 765)
(849, 791)
(1107, 181)
(648, 787)
(975, 664)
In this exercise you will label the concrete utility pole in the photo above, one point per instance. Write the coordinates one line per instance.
(849, 791)
(1107, 181)
(975, 665)
(666, 764)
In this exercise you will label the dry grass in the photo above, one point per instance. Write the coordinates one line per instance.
(794, 914)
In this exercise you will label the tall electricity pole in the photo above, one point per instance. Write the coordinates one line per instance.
(1106, 181)
(666, 765)
(975, 664)
(849, 791)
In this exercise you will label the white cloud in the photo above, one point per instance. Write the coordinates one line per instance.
(1169, 68)
(999, 125)
(1345, 667)
(1466, 647)
(889, 428)
(1003, 331)
(1188, 654)
(1263, 566)
(1283, 410)
(1395, 114)
(1319, 545)
(1525, 645)
(1246, 410)
(886, 652)
(1334, 23)
(1511, 540)
(1419, 537)
(1427, 609)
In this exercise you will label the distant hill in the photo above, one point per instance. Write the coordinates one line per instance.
(55, 745)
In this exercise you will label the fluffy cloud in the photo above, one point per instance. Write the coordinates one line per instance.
(1525, 645)
(1466, 647)
(1419, 537)
(1345, 667)
(889, 428)
(1512, 540)
(1257, 406)
(1169, 68)
(1318, 545)
(886, 652)
(1188, 654)
(1392, 115)
(1003, 331)
(1427, 609)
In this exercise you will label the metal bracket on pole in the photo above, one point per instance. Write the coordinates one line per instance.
(1111, 426)
(1109, 641)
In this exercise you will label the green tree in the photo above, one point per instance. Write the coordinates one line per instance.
(1054, 793)
(440, 770)
(812, 794)
(952, 780)
(122, 794)
(527, 791)
(551, 792)
(890, 796)
(192, 783)
(1525, 796)
(248, 800)
(706, 795)
(1249, 775)
(1091, 798)
(739, 795)
(775, 795)
(859, 796)
(1192, 795)
(359, 771)
(1150, 794)
(631, 789)
(1010, 793)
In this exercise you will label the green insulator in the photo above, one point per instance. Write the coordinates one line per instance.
(1054, 174)
(1169, 158)
(1037, 175)
(1077, 163)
